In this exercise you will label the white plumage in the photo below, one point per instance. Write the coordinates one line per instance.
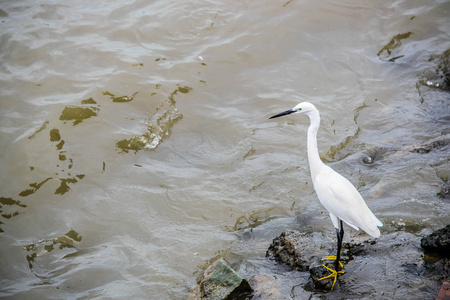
(340, 198)
(344, 202)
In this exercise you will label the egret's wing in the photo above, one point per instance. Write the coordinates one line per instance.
(342, 199)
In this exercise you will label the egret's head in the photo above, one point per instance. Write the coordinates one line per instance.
(303, 108)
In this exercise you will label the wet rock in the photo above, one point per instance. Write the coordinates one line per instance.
(380, 153)
(441, 77)
(438, 242)
(295, 249)
(317, 271)
(389, 267)
(77, 114)
(221, 282)
(302, 252)
(266, 286)
(298, 251)
(390, 51)
(437, 254)
(351, 249)
(159, 126)
(436, 268)
(375, 154)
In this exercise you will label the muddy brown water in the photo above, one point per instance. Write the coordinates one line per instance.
(136, 145)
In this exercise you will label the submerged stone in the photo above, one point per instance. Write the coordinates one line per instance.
(76, 114)
(388, 50)
(135, 144)
(88, 101)
(54, 135)
(220, 282)
(120, 98)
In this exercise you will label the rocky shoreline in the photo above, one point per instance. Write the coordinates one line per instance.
(393, 258)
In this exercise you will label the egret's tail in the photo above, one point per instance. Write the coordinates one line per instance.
(372, 228)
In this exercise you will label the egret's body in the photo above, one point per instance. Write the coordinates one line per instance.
(336, 193)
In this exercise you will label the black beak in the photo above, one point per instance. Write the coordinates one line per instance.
(284, 113)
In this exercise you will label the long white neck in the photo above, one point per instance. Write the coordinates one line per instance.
(315, 163)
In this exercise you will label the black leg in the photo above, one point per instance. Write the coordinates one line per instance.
(340, 236)
(335, 272)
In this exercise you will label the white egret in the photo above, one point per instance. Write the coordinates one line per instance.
(336, 193)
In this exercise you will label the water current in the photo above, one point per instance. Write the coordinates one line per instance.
(136, 147)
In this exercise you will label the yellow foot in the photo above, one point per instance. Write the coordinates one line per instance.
(332, 257)
(334, 273)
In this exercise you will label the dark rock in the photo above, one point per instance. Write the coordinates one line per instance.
(317, 271)
(350, 249)
(438, 269)
(300, 252)
(221, 282)
(437, 254)
(304, 252)
(295, 250)
(438, 242)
